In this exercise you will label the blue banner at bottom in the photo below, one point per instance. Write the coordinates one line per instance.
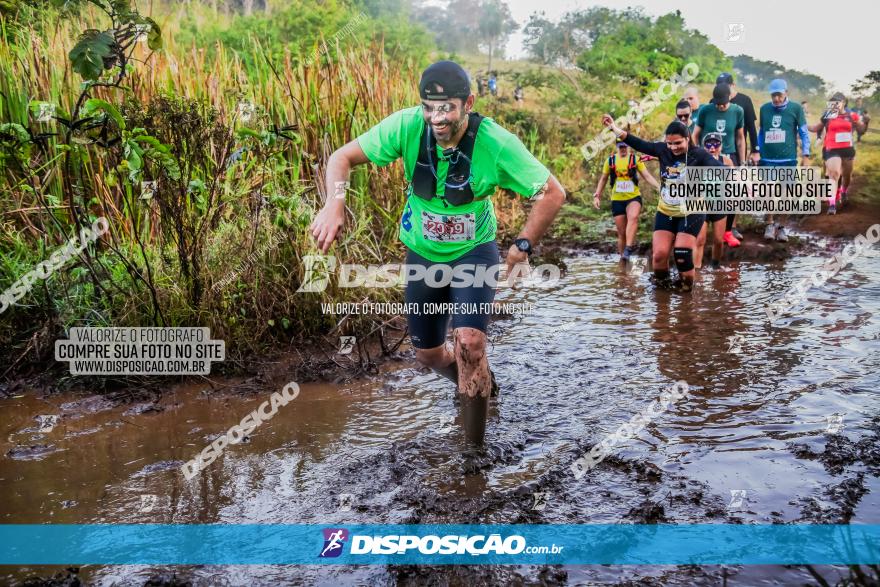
(376, 544)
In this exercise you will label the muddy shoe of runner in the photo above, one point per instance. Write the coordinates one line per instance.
(662, 279)
(683, 285)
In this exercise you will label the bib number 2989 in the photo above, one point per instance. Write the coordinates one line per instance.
(448, 227)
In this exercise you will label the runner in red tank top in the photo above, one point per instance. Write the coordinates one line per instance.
(838, 151)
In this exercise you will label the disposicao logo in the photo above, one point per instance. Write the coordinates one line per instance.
(334, 539)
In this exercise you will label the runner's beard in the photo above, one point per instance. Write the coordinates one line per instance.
(454, 127)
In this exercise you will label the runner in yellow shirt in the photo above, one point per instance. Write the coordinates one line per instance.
(626, 199)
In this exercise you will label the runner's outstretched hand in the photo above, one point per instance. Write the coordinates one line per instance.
(327, 224)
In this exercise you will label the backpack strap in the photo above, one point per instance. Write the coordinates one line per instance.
(424, 178)
(633, 169)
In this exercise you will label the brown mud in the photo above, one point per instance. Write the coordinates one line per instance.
(755, 421)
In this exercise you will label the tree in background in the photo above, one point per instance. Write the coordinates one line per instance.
(494, 25)
(562, 43)
(623, 45)
(869, 88)
(757, 74)
(467, 25)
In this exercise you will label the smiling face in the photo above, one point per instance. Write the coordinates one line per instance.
(446, 117)
(677, 144)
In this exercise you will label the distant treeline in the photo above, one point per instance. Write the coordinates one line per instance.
(754, 73)
(624, 45)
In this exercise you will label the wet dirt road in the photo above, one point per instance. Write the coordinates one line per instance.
(780, 425)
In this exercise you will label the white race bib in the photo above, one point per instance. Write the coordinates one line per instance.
(448, 227)
(843, 137)
(774, 136)
(624, 185)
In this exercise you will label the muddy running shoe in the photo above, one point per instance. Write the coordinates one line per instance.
(770, 231)
(716, 263)
(781, 235)
(627, 253)
(683, 285)
(832, 210)
(843, 197)
(662, 279)
(736, 234)
(731, 240)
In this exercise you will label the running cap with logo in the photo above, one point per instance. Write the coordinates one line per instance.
(721, 94)
(838, 97)
(778, 86)
(724, 78)
(713, 137)
(444, 80)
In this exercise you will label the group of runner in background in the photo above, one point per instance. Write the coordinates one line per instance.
(490, 84)
(726, 131)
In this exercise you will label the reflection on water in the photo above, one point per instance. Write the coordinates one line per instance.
(390, 450)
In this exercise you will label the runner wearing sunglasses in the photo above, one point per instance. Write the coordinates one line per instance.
(712, 143)
(684, 114)
(674, 231)
(726, 118)
(455, 160)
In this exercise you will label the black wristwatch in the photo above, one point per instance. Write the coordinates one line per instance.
(524, 245)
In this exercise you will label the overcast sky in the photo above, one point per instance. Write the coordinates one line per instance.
(839, 42)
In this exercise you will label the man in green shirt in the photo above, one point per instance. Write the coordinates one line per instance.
(454, 160)
(725, 118)
(780, 123)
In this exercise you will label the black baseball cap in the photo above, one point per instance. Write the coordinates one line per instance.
(713, 137)
(444, 80)
(721, 94)
(724, 78)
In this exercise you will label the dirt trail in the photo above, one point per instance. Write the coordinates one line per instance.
(863, 208)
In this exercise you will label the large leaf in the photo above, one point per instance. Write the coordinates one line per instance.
(122, 8)
(12, 133)
(144, 25)
(154, 37)
(94, 104)
(89, 53)
(161, 154)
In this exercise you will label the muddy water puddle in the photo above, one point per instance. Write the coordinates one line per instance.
(780, 425)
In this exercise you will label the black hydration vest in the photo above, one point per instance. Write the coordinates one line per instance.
(458, 187)
(631, 168)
